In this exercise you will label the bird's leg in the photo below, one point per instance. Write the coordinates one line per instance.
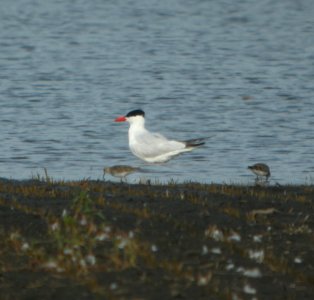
(123, 179)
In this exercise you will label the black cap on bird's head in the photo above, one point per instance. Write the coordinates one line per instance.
(133, 113)
(136, 112)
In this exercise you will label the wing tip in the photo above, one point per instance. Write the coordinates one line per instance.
(195, 142)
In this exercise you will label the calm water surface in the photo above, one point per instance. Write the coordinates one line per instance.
(241, 72)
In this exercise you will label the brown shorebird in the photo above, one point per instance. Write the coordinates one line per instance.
(260, 170)
(120, 171)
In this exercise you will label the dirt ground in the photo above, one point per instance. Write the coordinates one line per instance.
(104, 240)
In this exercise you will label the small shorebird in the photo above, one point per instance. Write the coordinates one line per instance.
(120, 171)
(260, 170)
(153, 147)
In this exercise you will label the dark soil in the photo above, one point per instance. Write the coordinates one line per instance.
(103, 240)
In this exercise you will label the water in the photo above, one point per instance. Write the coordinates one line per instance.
(241, 72)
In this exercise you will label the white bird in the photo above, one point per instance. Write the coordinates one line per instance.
(153, 147)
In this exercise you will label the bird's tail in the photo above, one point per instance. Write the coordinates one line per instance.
(195, 142)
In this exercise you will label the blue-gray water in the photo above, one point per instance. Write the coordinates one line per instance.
(239, 71)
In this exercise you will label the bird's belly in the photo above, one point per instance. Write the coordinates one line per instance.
(164, 157)
(260, 173)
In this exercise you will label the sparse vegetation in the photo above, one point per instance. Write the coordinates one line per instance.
(93, 239)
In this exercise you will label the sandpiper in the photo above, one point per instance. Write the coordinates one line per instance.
(260, 170)
(120, 171)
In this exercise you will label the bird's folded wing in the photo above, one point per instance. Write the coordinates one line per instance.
(155, 144)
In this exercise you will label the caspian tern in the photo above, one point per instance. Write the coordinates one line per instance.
(153, 147)
(260, 169)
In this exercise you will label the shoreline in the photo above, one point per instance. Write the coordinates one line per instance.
(93, 240)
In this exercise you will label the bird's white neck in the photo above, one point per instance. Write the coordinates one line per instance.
(137, 126)
(137, 123)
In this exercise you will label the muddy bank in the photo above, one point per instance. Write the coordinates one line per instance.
(103, 240)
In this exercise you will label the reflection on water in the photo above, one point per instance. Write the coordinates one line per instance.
(239, 72)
